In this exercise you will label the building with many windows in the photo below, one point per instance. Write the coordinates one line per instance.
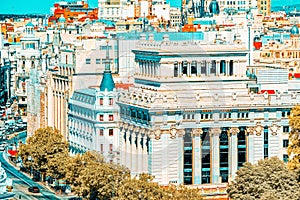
(93, 118)
(196, 112)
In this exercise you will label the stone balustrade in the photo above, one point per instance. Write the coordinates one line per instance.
(195, 100)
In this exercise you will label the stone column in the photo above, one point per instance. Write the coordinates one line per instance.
(218, 67)
(139, 153)
(250, 148)
(123, 147)
(133, 153)
(145, 154)
(227, 68)
(180, 155)
(208, 66)
(198, 68)
(274, 139)
(215, 154)
(196, 133)
(233, 151)
(188, 69)
(128, 150)
(179, 69)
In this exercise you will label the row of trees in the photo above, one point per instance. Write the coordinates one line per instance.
(272, 179)
(89, 175)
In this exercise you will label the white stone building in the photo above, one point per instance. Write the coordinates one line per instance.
(196, 113)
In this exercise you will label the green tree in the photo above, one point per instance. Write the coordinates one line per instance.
(268, 179)
(93, 178)
(294, 140)
(46, 152)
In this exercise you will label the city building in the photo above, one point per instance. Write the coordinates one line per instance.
(196, 112)
(264, 7)
(80, 65)
(111, 9)
(69, 12)
(93, 118)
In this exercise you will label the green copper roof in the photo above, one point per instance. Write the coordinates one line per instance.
(107, 82)
(29, 24)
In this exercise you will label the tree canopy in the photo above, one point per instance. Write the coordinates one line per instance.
(89, 175)
(294, 140)
(268, 179)
(45, 151)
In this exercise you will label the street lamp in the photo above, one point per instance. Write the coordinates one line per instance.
(30, 159)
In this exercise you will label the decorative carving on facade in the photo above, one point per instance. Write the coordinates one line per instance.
(278, 95)
(294, 95)
(258, 129)
(121, 124)
(198, 97)
(266, 95)
(215, 131)
(136, 129)
(234, 130)
(173, 131)
(250, 130)
(157, 133)
(130, 127)
(234, 96)
(216, 96)
(142, 131)
(196, 132)
(125, 126)
(251, 95)
(274, 129)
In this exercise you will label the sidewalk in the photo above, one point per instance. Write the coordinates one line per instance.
(42, 184)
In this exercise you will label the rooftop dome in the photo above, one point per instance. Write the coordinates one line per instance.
(295, 30)
(214, 7)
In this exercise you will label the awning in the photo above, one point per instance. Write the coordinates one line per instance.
(12, 153)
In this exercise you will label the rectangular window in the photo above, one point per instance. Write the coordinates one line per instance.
(285, 143)
(87, 61)
(110, 147)
(101, 132)
(286, 129)
(101, 118)
(285, 158)
(111, 118)
(111, 132)
(101, 147)
(98, 61)
(101, 101)
(111, 101)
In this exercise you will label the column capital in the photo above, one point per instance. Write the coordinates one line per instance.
(233, 131)
(130, 127)
(136, 129)
(196, 132)
(156, 133)
(258, 129)
(250, 130)
(215, 131)
(274, 129)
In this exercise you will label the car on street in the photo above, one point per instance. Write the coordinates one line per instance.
(34, 189)
(2, 147)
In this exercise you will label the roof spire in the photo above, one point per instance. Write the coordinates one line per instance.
(107, 82)
(107, 60)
